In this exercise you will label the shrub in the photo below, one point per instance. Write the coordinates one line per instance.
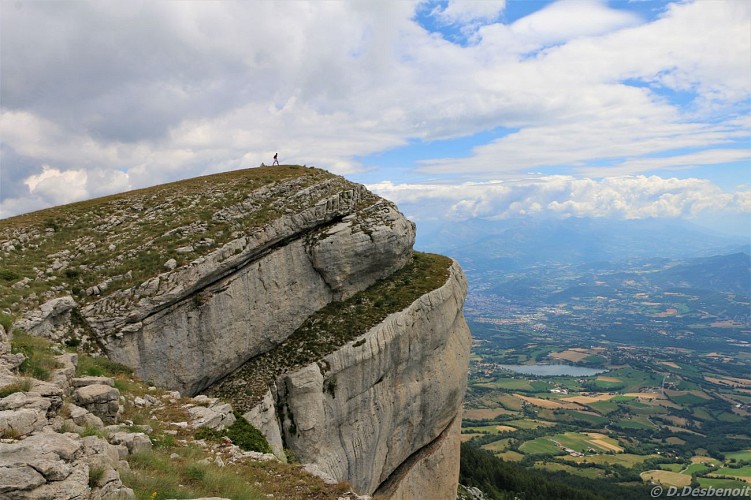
(242, 433)
(247, 437)
(195, 472)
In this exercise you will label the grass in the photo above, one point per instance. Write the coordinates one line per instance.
(627, 460)
(6, 321)
(100, 366)
(497, 446)
(21, 384)
(738, 455)
(739, 472)
(154, 475)
(706, 482)
(673, 467)
(332, 327)
(96, 473)
(40, 355)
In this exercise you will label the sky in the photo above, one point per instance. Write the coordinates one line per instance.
(453, 109)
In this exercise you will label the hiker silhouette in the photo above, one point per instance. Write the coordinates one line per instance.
(276, 161)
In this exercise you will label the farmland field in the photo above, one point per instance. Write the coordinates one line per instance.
(674, 401)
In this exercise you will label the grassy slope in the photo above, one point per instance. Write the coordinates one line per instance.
(127, 238)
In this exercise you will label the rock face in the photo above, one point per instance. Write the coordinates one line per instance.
(382, 411)
(186, 328)
(363, 410)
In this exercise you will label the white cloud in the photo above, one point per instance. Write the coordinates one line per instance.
(48, 184)
(149, 92)
(632, 197)
(53, 186)
(468, 11)
(568, 19)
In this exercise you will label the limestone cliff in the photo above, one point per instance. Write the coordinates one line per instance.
(187, 328)
(366, 408)
(219, 284)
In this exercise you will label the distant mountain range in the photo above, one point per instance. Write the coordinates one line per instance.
(522, 243)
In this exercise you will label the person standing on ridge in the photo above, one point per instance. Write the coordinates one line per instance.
(276, 160)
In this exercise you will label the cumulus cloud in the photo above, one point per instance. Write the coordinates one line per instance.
(53, 186)
(569, 19)
(631, 197)
(467, 11)
(136, 93)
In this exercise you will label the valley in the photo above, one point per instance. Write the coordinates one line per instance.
(668, 399)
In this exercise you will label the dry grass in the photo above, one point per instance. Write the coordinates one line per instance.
(485, 413)
(573, 355)
(585, 400)
(666, 478)
(546, 403)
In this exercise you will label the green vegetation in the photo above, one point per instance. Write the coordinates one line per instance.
(6, 321)
(241, 433)
(333, 326)
(39, 352)
(540, 446)
(96, 473)
(674, 402)
(100, 366)
(20, 385)
(501, 480)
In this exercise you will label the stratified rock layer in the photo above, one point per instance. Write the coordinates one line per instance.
(186, 328)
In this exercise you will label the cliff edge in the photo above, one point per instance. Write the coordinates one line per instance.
(292, 293)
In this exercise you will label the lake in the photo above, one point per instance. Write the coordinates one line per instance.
(553, 370)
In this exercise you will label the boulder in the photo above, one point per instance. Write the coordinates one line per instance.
(216, 415)
(101, 400)
(52, 320)
(134, 441)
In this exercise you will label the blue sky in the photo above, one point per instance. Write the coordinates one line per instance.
(453, 108)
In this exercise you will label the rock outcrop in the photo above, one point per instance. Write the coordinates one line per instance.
(186, 328)
(42, 461)
(382, 411)
(363, 410)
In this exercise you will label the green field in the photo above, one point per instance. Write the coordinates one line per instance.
(627, 460)
(706, 482)
(688, 399)
(581, 442)
(673, 467)
(738, 455)
(696, 468)
(497, 446)
(527, 424)
(509, 384)
(540, 446)
(729, 471)
(480, 429)
(556, 467)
